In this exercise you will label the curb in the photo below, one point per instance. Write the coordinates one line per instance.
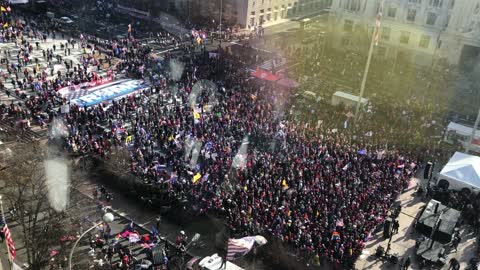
(124, 215)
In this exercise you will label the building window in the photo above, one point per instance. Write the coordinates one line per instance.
(352, 5)
(385, 33)
(411, 14)
(253, 3)
(436, 3)
(348, 26)
(431, 18)
(381, 51)
(261, 19)
(452, 4)
(253, 13)
(404, 37)
(261, 11)
(424, 41)
(275, 15)
(252, 22)
(392, 11)
(345, 41)
(268, 17)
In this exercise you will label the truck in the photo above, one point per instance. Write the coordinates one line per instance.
(214, 262)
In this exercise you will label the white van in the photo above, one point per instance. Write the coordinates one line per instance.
(213, 262)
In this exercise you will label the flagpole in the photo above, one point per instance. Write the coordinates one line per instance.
(10, 260)
(367, 66)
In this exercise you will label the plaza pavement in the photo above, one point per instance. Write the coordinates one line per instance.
(403, 243)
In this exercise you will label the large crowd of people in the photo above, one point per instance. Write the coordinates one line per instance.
(236, 146)
(294, 182)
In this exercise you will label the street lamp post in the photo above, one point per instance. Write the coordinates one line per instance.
(107, 218)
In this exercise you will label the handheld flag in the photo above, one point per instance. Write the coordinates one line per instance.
(339, 223)
(3, 9)
(129, 28)
(238, 248)
(5, 25)
(196, 177)
(284, 184)
(335, 236)
(362, 152)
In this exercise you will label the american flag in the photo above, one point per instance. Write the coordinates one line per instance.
(8, 237)
(378, 23)
(239, 247)
(339, 223)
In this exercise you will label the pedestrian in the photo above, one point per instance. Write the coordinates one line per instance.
(396, 225)
(407, 263)
(454, 264)
(456, 240)
(107, 232)
(158, 219)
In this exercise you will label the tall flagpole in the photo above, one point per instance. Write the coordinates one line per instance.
(375, 36)
(10, 260)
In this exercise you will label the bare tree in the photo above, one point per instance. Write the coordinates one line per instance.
(26, 194)
(118, 161)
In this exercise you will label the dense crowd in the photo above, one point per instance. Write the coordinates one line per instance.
(289, 182)
(242, 148)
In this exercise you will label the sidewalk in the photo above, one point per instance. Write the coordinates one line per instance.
(146, 218)
(403, 243)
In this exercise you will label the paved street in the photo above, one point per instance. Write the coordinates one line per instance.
(73, 58)
(403, 243)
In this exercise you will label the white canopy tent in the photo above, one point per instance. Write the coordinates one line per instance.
(462, 171)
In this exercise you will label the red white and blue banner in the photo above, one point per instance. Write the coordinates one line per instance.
(109, 92)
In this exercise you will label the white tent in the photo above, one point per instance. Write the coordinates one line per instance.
(462, 171)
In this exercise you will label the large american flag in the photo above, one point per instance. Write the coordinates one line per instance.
(239, 247)
(8, 237)
(378, 23)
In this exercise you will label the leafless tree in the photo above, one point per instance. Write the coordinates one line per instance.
(118, 161)
(26, 194)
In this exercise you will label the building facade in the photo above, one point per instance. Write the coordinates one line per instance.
(268, 12)
(244, 13)
(422, 31)
(253, 13)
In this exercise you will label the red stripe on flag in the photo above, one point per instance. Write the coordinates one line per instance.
(11, 246)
